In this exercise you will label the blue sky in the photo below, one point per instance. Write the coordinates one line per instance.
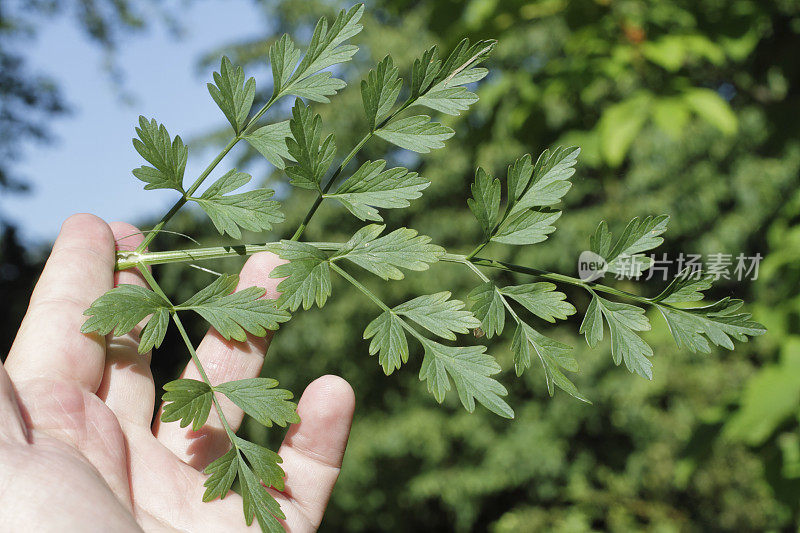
(87, 168)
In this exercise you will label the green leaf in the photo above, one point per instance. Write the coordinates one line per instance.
(518, 177)
(625, 257)
(270, 141)
(470, 369)
(264, 462)
(371, 187)
(459, 67)
(167, 156)
(485, 201)
(552, 354)
(526, 227)
(232, 94)
(541, 299)
(388, 341)
(487, 305)
(687, 286)
(122, 308)
(283, 57)
(251, 210)
(624, 320)
(592, 325)
(312, 158)
(438, 314)
(693, 328)
(154, 331)
(187, 400)
(317, 87)
(416, 133)
(448, 100)
(258, 503)
(325, 50)
(309, 276)
(424, 71)
(385, 256)
(233, 314)
(259, 398)
(550, 180)
(221, 474)
(379, 91)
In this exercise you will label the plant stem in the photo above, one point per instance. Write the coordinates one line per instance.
(477, 250)
(377, 301)
(203, 175)
(127, 260)
(195, 359)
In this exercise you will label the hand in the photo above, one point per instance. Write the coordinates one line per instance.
(79, 450)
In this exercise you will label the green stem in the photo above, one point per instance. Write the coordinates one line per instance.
(477, 250)
(377, 301)
(195, 359)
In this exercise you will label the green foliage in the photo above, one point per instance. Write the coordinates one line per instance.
(385, 256)
(416, 133)
(312, 158)
(122, 308)
(233, 95)
(234, 313)
(308, 276)
(270, 141)
(252, 210)
(167, 156)
(372, 187)
(187, 400)
(259, 398)
(379, 91)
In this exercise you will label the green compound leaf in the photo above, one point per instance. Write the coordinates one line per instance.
(232, 94)
(624, 320)
(416, 133)
(122, 308)
(309, 276)
(270, 141)
(552, 354)
(388, 341)
(485, 201)
(541, 299)
(257, 502)
(693, 328)
(385, 256)
(424, 71)
(518, 177)
(487, 305)
(325, 50)
(526, 227)
(470, 369)
(221, 473)
(312, 158)
(264, 462)
(251, 210)
(233, 314)
(259, 398)
(438, 314)
(187, 400)
(371, 187)
(167, 156)
(379, 91)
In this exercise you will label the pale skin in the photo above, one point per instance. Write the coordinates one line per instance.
(79, 449)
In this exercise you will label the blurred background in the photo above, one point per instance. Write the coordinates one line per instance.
(690, 108)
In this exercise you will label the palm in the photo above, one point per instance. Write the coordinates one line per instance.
(83, 447)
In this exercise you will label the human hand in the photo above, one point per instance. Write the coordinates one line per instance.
(79, 450)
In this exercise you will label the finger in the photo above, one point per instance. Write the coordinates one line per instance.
(12, 427)
(223, 361)
(127, 386)
(49, 343)
(312, 451)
